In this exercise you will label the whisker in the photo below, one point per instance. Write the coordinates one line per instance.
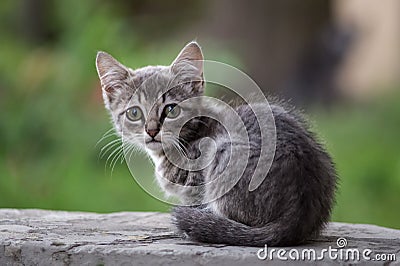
(116, 158)
(180, 146)
(113, 154)
(113, 141)
(129, 151)
(108, 147)
(107, 134)
(183, 141)
(175, 142)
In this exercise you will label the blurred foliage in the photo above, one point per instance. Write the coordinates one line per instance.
(52, 116)
(364, 142)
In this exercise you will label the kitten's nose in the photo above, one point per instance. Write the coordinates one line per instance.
(152, 132)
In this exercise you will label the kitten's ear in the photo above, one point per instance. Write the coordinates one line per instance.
(113, 76)
(190, 58)
(110, 71)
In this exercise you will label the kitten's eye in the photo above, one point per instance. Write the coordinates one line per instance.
(134, 113)
(172, 110)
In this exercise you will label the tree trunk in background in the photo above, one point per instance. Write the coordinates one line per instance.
(373, 64)
(36, 22)
(273, 38)
(311, 51)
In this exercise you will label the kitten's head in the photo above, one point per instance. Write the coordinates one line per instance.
(147, 103)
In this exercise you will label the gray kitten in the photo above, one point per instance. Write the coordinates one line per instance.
(293, 202)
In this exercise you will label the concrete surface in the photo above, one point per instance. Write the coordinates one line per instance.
(39, 237)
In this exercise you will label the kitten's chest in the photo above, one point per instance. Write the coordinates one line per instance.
(165, 169)
(159, 166)
(158, 161)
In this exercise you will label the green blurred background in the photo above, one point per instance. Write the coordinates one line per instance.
(52, 115)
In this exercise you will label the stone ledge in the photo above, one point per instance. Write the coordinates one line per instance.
(39, 237)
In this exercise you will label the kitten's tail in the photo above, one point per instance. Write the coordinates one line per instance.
(205, 226)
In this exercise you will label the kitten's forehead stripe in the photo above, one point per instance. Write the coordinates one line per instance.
(144, 93)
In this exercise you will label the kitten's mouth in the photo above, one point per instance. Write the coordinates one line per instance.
(152, 141)
(153, 144)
